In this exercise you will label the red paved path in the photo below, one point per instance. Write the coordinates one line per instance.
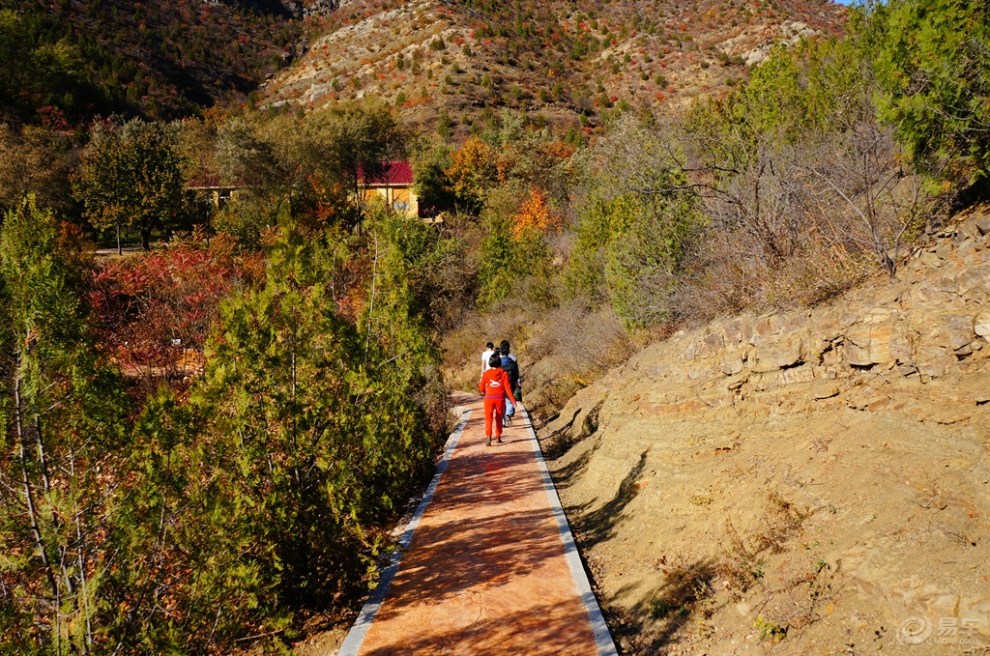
(488, 570)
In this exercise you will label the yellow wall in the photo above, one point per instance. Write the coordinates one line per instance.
(401, 199)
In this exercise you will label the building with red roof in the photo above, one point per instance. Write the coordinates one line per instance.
(393, 186)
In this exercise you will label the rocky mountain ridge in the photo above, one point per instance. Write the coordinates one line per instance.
(818, 478)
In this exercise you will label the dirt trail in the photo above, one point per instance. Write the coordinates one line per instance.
(488, 569)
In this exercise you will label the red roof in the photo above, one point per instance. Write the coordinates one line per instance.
(394, 173)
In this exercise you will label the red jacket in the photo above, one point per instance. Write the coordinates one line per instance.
(495, 384)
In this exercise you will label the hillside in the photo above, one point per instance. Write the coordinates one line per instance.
(817, 478)
(158, 59)
(557, 61)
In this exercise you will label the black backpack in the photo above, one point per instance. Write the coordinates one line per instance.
(511, 368)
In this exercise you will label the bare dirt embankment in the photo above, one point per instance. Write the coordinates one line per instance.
(809, 482)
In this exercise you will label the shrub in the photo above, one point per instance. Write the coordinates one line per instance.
(635, 225)
(933, 66)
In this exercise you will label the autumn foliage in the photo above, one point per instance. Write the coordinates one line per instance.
(155, 309)
(474, 168)
(534, 216)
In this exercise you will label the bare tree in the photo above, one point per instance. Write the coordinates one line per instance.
(863, 194)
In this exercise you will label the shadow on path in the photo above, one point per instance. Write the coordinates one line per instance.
(485, 572)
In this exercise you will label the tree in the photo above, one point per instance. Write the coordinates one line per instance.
(421, 275)
(60, 448)
(639, 216)
(535, 216)
(933, 66)
(430, 161)
(314, 434)
(130, 176)
(473, 171)
(306, 168)
(37, 70)
(35, 160)
(347, 141)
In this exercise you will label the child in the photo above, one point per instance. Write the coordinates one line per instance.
(496, 388)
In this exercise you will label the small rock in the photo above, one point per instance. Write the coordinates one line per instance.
(907, 370)
(960, 331)
(974, 283)
(826, 390)
(731, 366)
(784, 353)
(947, 284)
(869, 341)
(981, 324)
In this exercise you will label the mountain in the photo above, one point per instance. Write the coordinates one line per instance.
(159, 59)
(559, 60)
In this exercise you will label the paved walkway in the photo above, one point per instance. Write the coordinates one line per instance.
(490, 566)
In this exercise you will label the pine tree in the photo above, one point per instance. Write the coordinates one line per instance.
(58, 452)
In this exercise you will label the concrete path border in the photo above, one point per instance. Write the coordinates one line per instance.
(603, 637)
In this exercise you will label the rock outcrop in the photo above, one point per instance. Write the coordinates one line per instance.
(820, 477)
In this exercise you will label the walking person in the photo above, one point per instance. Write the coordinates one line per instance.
(510, 365)
(497, 390)
(486, 355)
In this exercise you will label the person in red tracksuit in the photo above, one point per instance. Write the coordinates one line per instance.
(495, 386)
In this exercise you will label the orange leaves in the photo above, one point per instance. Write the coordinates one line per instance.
(474, 154)
(474, 167)
(534, 216)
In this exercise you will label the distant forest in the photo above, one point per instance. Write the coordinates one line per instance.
(154, 59)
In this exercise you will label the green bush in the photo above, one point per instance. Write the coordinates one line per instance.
(637, 220)
(933, 67)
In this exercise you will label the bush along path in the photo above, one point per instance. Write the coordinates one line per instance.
(489, 566)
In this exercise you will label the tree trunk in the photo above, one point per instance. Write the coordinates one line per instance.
(32, 510)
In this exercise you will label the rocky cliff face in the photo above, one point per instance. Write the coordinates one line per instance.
(818, 477)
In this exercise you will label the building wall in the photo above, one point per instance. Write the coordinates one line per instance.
(401, 199)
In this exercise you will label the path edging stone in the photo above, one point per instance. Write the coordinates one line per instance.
(603, 638)
(352, 643)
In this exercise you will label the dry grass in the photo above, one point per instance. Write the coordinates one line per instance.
(560, 350)
(728, 278)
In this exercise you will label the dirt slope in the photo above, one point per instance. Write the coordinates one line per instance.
(813, 482)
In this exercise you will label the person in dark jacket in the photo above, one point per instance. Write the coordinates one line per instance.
(511, 367)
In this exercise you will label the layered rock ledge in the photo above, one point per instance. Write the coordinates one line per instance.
(818, 477)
